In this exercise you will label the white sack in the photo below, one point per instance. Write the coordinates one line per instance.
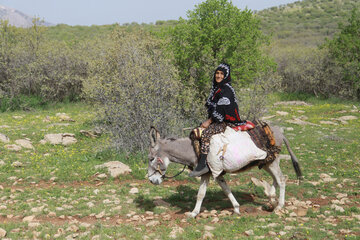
(231, 151)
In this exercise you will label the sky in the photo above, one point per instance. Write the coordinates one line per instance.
(100, 12)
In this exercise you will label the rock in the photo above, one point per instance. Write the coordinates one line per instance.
(28, 219)
(160, 202)
(100, 215)
(328, 123)
(175, 231)
(326, 178)
(347, 118)
(72, 228)
(281, 113)
(17, 164)
(24, 143)
(102, 176)
(2, 233)
(337, 208)
(115, 168)
(298, 121)
(2, 163)
(59, 138)
(37, 209)
(249, 233)
(33, 224)
(66, 141)
(215, 220)
(301, 212)
(293, 103)
(209, 228)
(208, 235)
(4, 138)
(152, 223)
(64, 117)
(13, 147)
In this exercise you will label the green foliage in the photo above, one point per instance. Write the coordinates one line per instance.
(33, 66)
(136, 87)
(21, 102)
(345, 49)
(217, 31)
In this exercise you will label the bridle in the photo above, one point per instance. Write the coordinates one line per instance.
(163, 175)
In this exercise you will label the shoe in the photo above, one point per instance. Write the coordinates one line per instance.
(201, 168)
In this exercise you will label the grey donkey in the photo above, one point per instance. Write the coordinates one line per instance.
(164, 151)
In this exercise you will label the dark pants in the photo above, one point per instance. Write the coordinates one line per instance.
(214, 128)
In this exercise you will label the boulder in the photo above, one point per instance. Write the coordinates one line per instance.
(115, 168)
(4, 138)
(59, 138)
(24, 143)
(13, 147)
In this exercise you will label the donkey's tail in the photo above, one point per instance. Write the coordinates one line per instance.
(294, 160)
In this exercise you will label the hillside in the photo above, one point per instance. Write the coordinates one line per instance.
(17, 18)
(306, 22)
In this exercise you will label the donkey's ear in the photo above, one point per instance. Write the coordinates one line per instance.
(154, 136)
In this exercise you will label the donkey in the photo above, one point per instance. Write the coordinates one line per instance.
(163, 151)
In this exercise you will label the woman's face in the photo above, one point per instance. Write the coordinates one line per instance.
(219, 76)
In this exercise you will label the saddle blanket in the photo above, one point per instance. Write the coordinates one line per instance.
(231, 150)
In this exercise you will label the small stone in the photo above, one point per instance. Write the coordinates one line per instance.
(100, 215)
(28, 219)
(4, 138)
(102, 176)
(301, 212)
(208, 235)
(209, 228)
(72, 228)
(215, 220)
(175, 231)
(17, 164)
(134, 190)
(13, 147)
(249, 232)
(33, 224)
(281, 113)
(24, 143)
(152, 223)
(2, 233)
(337, 208)
(282, 233)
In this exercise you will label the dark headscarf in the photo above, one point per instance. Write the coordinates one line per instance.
(225, 68)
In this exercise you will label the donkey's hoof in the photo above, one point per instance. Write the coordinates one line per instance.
(191, 214)
(237, 211)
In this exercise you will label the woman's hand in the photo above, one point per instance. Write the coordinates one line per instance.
(206, 123)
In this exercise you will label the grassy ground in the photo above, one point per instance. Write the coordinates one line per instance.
(52, 191)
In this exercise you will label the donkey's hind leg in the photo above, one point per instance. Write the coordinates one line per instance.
(201, 194)
(221, 181)
(278, 181)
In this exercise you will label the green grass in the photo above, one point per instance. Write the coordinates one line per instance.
(77, 196)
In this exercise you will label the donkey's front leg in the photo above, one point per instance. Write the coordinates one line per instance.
(221, 181)
(201, 194)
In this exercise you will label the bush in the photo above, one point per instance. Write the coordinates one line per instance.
(310, 70)
(345, 50)
(217, 31)
(33, 66)
(135, 86)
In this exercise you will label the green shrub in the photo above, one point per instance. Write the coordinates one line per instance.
(135, 86)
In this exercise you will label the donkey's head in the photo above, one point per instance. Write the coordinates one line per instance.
(158, 158)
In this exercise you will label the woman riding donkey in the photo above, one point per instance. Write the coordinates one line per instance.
(223, 111)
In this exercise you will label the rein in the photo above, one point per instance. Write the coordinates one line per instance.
(163, 175)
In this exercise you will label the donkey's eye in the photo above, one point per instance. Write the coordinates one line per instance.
(152, 159)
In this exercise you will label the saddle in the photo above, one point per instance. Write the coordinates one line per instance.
(259, 132)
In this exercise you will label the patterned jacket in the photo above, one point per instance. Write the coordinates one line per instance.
(222, 104)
